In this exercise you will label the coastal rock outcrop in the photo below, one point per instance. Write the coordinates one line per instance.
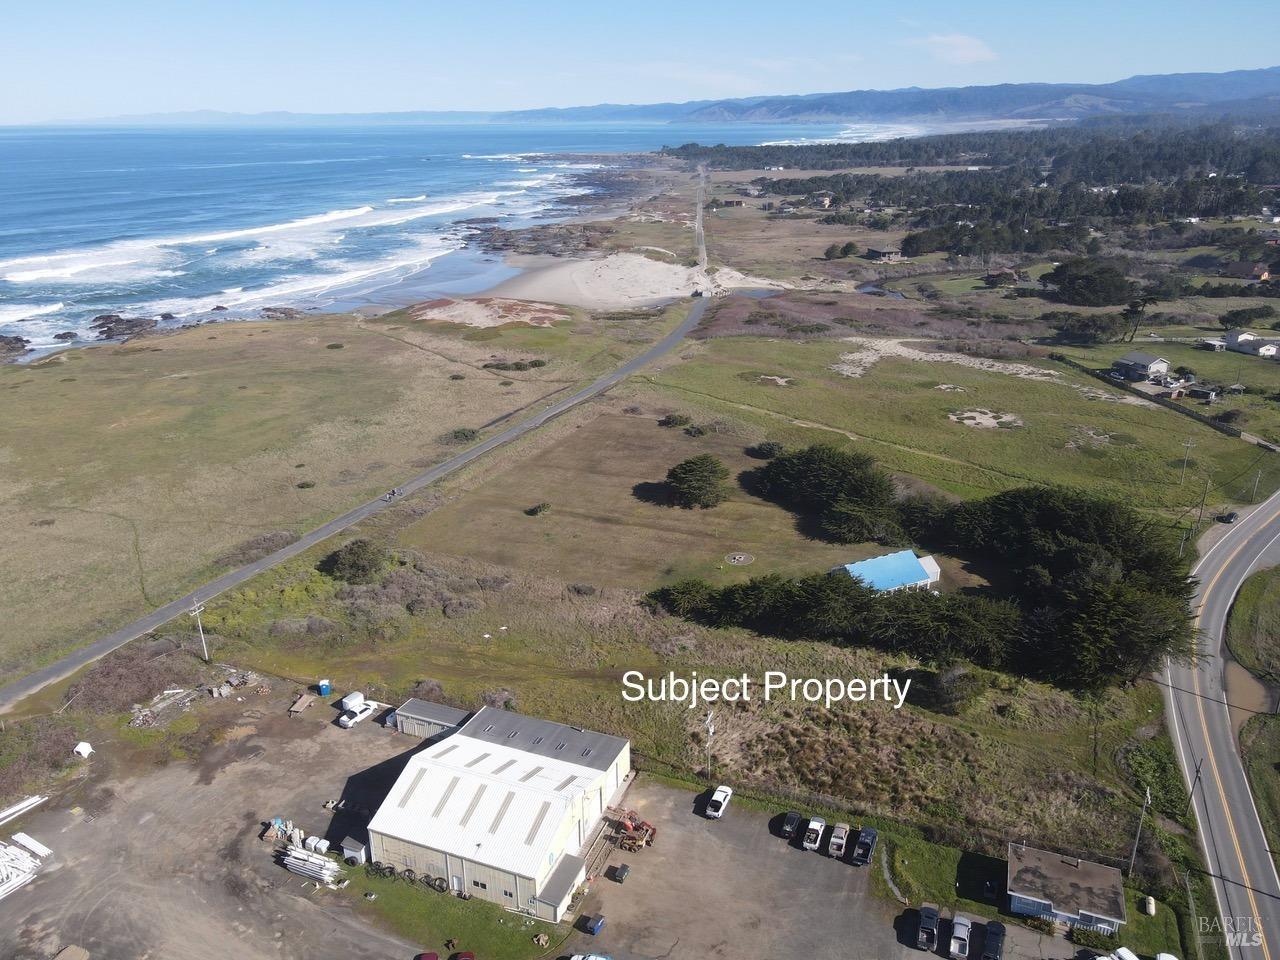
(282, 313)
(112, 326)
(11, 347)
(66, 335)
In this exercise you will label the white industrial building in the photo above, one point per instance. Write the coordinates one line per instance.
(505, 808)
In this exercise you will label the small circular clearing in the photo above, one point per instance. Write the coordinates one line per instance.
(739, 559)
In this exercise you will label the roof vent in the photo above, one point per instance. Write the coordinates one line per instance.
(586, 752)
(537, 740)
(561, 745)
(489, 728)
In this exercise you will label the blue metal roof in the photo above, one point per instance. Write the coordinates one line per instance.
(890, 571)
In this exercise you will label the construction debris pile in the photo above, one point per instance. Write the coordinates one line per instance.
(163, 708)
(237, 680)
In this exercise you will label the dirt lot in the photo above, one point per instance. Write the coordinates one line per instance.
(166, 862)
(731, 888)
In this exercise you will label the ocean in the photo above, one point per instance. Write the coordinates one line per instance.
(180, 221)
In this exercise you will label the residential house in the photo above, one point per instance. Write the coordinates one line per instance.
(1246, 341)
(1137, 365)
(731, 203)
(822, 199)
(1244, 270)
(1216, 344)
(1065, 890)
(884, 256)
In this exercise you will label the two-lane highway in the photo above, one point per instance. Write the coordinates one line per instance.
(1244, 875)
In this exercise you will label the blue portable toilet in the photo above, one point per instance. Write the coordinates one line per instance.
(325, 688)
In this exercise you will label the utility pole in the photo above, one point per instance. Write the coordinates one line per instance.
(1138, 836)
(1195, 782)
(1191, 901)
(195, 612)
(711, 732)
(1187, 444)
(1256, 480)
(1203, 497)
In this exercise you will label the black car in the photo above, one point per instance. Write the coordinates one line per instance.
(865, 848)
(993, 948)
(790, 824)
(927, 932)
(1231, 517)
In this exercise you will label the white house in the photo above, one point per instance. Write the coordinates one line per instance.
(1245, 341)
(1137, 365)
(1065, 890)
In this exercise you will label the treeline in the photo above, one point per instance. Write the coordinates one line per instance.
(1094, 595)
(976, 239)
(1089, 154)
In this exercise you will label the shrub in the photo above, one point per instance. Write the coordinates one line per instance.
(537, 509)
(305, 484)
(1093, 939)
(457, 376)
(698, 482)
(461, 435)
(766, 450)
(357, 561)
(333, 346)
(697, 430)
(675, 420)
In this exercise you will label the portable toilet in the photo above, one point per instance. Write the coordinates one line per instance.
(324, 687)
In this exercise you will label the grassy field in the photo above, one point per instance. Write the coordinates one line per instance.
(900, 411)
(603, 525)
(159, 457)
(430, 918)
(1253, 630)
(1260, 750)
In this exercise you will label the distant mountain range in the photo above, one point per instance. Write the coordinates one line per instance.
(1238, 92)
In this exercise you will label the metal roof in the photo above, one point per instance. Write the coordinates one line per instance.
(544, 738)
(1138, 358)
(561, 883)
(489, 802)
(892, 570)
(1071, 886)
(433, 712)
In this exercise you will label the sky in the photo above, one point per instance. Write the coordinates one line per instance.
(77, 59)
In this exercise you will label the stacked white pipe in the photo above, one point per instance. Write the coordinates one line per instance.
(313, 866)
(17, 868)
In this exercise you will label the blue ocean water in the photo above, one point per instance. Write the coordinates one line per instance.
(145, 222)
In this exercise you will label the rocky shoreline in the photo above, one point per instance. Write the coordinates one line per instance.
(577, 231)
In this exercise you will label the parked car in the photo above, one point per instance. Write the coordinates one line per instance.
(993, 946)
(961, 930)
(1124, 953)
(1231, 517)
(790, 824)
(865, 848)
(349, 718)
(719, 802)
(927, 932)
(813, 833)
(590, 956)
(839, 836)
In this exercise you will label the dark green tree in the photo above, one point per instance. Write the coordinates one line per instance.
(698, 482)
(357, 561)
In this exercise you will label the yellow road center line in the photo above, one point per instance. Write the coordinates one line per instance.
(1213, 763)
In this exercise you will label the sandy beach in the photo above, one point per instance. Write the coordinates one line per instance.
(616, 281)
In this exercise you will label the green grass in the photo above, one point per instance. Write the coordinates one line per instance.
(1253, 629)
(429, 919)
(1260, 749)
(898, 413)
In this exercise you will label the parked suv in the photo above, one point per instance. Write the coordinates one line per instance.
(993, 947)
(865, 848)
(349, 718)
(790, 824)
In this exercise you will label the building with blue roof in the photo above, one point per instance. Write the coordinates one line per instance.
(901, 570)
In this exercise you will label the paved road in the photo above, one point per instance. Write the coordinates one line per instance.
(1245, 880)
(13, 692)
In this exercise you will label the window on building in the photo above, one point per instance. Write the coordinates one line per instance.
(508, 894)
(477, 883)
